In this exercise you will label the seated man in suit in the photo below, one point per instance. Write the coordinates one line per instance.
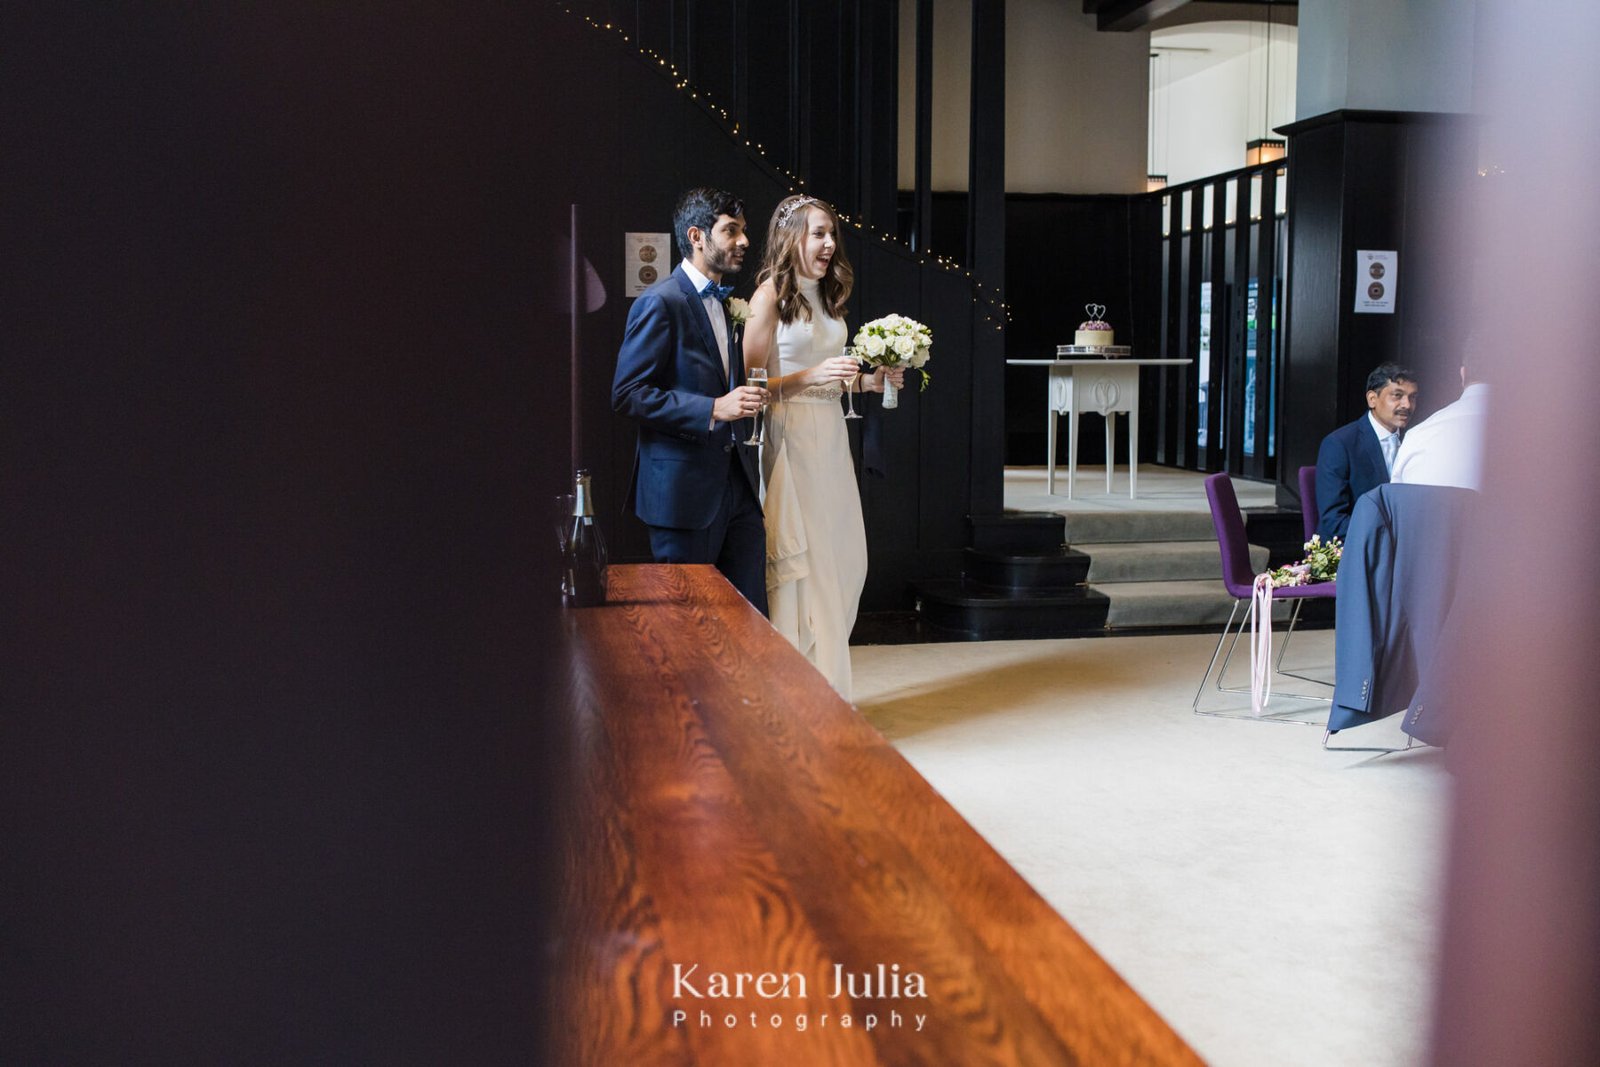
(1359, 455)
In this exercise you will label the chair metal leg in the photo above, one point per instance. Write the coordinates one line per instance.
(1294, 617)
(1204, 678)
(1223, 670)
(1411, 743)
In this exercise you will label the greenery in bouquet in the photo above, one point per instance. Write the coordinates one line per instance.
(1321, 564)
(894, 341)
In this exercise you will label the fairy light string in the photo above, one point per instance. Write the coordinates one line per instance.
(995, 310)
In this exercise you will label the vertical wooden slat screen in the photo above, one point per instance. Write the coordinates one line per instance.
(1266, 261)
(1211, 234)
(1216, 373)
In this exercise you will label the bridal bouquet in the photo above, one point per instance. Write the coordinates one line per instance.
(894, 341)
(1320, 565)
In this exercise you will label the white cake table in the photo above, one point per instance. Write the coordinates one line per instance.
(1105, 386)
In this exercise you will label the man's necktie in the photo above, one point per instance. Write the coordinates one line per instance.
(721, 292)
(1391, 446)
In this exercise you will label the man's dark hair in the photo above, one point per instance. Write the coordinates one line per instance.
(1384, 373)
(700, 207)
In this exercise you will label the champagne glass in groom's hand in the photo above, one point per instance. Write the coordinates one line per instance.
(757, 376)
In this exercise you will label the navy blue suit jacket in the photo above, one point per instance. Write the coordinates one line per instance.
(1349, 463)
(669, 371)
(1397, 581)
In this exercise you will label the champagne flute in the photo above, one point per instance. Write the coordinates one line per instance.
(757, 376)
(849, 388)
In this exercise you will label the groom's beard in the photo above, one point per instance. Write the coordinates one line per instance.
(723, 261)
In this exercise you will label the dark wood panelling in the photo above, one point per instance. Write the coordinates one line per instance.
(711, 48)
(1264, 249)
(1217, 371)
(922, 140)
(986, 248)
(1237, 289)
(1062, 252)
(1311, 379)
(1368, 180)
(917, 511)
(1170, 447)
(767, 111)
(1194, 246)
(879, 102)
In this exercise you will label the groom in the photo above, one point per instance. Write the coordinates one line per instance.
(680, 373)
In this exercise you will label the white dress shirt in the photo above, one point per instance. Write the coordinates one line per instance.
(1446, 448)
(1389, 448)
(713, 306)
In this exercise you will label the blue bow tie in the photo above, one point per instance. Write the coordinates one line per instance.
(721, 292)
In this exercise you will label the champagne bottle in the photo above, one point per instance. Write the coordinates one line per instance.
(583, 567)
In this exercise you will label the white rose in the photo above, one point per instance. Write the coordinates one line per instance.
(874, 346)
(904, 346)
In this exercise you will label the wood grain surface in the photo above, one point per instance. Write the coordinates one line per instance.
(733, 816)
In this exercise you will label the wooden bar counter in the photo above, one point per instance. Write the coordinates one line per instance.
(753, 876)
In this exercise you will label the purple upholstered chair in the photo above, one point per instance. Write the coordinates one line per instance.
(1239, 580)
(1308, 500)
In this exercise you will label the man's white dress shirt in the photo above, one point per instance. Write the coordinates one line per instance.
(713, 306)
(1446, 448)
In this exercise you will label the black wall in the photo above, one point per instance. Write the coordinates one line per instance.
(643, 143)
(1062, 252)
(280, 593)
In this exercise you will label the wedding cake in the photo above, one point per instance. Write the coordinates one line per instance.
(1096, 331)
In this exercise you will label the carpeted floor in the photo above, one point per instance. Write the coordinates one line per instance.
(1275, 902)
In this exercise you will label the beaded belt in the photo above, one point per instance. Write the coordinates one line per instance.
(815, 394)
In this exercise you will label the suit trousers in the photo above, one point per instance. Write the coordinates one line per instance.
(735, 542)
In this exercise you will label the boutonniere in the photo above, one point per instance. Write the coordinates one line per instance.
(738, 310)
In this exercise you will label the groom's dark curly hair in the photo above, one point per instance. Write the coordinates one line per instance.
(700, 208)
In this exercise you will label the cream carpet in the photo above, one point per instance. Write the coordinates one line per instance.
(1276, 903)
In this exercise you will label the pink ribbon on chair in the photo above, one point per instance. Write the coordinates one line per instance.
(1260, 644)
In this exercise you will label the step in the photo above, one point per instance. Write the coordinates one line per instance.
(1018, 531)
(985, 612)
(1167, 604)
(1152, 561)
(1058, 568)
(1099, 527)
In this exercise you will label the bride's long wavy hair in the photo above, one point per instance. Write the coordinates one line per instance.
(780, 260)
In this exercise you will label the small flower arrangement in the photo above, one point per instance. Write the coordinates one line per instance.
(894, 341)
(738, 310)
(1320, 565)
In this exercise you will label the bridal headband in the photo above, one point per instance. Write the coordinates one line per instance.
(786, 212)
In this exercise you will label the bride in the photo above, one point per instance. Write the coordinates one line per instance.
(816, 540)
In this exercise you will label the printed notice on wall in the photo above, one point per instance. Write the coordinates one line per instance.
(647, 258)
(1376, 276)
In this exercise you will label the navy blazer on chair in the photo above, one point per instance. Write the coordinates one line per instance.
(1349, 463)
(1397, 581)
(669, 371)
